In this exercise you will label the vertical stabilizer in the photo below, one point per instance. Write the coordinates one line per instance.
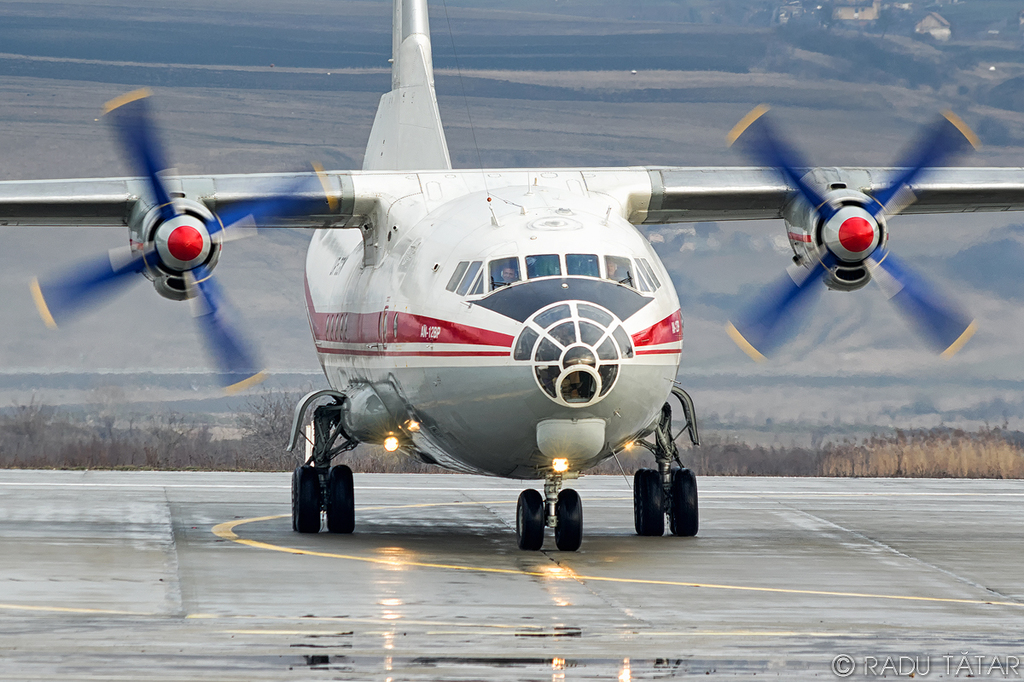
(407, 132)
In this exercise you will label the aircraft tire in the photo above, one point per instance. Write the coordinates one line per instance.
(530, 520)
(569, 512)
(341, 505)
(305, 500)
(683, 515)
(648, 503)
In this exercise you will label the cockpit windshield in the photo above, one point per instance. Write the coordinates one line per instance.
(504, 271)
(547, 265)
(582, 265)
(475, 278)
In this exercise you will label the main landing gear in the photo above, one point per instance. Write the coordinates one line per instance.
(318, 487)
(560, 509)
(667, 490)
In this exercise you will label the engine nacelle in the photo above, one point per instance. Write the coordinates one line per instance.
(179, 245)
(850, 235)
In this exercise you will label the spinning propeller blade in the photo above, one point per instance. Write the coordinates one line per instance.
(943, 324)
(235, 357)
(855, 242)
(89, 283)
(130, 118)
(774, 316)
(945, 139)
(758, 138)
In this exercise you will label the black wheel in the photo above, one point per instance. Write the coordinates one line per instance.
(305, 500)
(569, 512)
(341, 504)
(530, 520)
(648, 503)
(682, 514)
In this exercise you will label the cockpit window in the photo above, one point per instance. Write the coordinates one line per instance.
(650, 273)
(641, 279)
(543, 266)
(467, 281)
(478, 288)
(460, 270)
(619, 270)
(504, 271)
(582, 264)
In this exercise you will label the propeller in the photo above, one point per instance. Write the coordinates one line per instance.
(851, 234)
(182, 244)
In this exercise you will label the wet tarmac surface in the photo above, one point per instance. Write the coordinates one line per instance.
(181, 576)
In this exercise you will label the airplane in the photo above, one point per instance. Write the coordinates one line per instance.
(511, 322)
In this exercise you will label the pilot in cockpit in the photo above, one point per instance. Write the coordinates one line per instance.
(504, 271)
(618, 270)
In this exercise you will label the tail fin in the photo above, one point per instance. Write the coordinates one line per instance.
(407, 132)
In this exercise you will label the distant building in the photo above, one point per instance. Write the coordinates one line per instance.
(856, 10)
(793, 9)
(935, 26)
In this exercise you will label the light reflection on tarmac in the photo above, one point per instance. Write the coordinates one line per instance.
(171, 575)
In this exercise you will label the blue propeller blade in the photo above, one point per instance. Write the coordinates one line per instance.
(130, 118)
(301, 197)
(774, 315)
(756, 136)
(942, 323)
(944, 140)
(87, 284)
(234, 356)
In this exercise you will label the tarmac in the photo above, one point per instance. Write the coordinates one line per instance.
(187, 575)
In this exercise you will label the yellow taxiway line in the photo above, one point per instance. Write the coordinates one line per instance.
(226, 531)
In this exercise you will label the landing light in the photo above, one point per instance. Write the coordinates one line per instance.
(560, 465)
(390, 443)
(412, 425)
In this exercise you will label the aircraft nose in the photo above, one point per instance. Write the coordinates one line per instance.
(575, 349)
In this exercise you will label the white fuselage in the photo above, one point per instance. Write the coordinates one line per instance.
(482, 327)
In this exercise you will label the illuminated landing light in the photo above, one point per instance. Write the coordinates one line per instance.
(630, 445)
(390, 443)
(412, 425)
(560, 465)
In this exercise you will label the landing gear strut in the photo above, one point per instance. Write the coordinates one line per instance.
(667, 490)
(560, 509)
(316, 485)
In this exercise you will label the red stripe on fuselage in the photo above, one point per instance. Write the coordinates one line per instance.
(389, 326)
(797, 237)
(415, 353)
(668, 330)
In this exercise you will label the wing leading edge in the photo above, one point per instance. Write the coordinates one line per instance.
(642, 195)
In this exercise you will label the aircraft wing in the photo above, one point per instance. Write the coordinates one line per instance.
(727, 193)
(109, 202)
(643, 195)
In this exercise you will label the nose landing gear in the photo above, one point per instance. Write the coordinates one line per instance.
(560, 509)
